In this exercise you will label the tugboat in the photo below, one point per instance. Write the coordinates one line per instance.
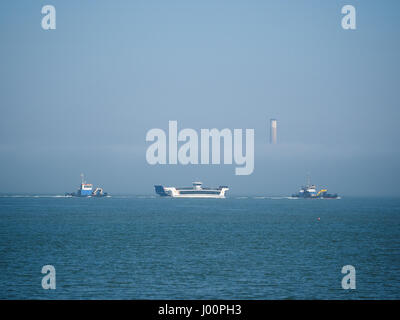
(309, 191)
(86, 190)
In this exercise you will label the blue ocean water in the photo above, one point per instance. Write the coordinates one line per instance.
(163, 248)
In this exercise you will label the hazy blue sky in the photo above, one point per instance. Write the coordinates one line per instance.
(82, 97)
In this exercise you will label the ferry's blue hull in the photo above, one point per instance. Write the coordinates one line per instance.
(160, 191)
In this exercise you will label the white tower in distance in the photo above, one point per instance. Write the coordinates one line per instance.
(273, 129)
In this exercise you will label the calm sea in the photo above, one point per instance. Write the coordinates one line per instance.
(163, 248)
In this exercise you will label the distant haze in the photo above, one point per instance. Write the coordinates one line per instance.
(81, 98)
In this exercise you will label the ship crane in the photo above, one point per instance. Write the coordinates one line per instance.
(98, 191)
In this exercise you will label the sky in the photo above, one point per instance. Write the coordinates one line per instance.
(81, 98)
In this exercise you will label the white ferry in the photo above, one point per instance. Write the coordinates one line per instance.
(197, 191)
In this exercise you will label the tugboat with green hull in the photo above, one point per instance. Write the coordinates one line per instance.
(309, 191)
(86, 190)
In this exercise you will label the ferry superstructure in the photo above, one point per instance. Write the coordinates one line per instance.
(197, 191)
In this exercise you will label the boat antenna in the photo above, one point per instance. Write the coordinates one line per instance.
(308, 179)
(82, 178)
